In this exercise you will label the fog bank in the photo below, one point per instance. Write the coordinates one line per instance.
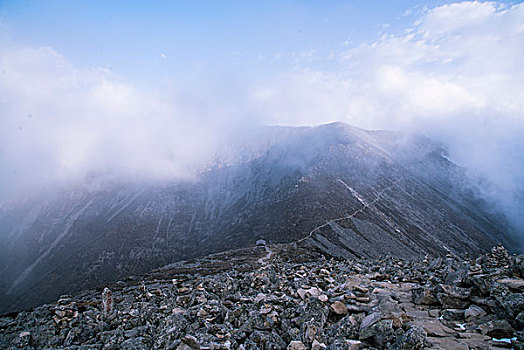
(455, 75)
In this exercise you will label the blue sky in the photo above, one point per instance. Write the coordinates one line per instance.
(148, 42)
(153, 88)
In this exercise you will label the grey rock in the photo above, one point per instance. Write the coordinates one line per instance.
(513, 304)
(350, 344)
(22, 340)
(346, 328)
(240, 306)
(453, 314)
(378, 334)
(139, 343)
(316, 345)
(339, 308)
(370, 320)
(264, 340)
(296, 345)
(473, 313)
(520, 320)
(450, 302)
(424, 295)
(497, 329)
(457, 277)
(413, 339)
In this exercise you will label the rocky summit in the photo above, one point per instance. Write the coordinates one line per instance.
(290, 296)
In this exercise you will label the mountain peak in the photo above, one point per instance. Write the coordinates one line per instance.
(350, 192)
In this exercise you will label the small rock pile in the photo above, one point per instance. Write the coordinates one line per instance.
(295, 298)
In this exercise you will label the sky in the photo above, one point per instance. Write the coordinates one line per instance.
(150, 43)
(150, 88)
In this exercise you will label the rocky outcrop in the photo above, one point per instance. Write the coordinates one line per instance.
(297, 297)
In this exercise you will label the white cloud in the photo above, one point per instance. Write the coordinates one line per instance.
(58, 121)
(463, 16)
(456, 75)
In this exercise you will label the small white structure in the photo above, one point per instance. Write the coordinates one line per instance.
(261, 243)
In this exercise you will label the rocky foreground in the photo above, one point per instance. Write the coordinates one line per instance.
(290, 296)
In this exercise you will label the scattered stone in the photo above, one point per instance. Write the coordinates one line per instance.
(379, 333)
(305, 293)
(447, 343)
(513, 304)
(324, 298)
(191, 341)
(438, 330)
(317, 345)
(413, 339)
(434, 312)
(424, 295)
(22, 340)
(296, 345)
(453, 315)
(370, 320)
(516, 284)
(497, 329)
(473, 313)
(298, 299)
(339, 308)
(520, 320)
(139, 343)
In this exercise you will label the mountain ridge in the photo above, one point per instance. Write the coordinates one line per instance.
(281, 185)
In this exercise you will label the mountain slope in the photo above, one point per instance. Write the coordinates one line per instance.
(351, 192)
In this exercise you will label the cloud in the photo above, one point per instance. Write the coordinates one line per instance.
(456, 75)
(61, 122)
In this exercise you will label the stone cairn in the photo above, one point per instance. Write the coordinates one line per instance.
(65, 312)
(107, 302)
(498, 257)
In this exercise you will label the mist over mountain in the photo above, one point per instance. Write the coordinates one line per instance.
(450, 71)
(351, 192)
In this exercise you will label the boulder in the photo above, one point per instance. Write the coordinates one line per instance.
(497, 329)
(453, 315)
(424, 296)
(346, 328)
(339, 308)
(370, 320)
(378, 334)
(474, 313)
(413, 339)
(296, 345)
(513, 304)
(317, 345)
(191, 341)
(516, 284)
